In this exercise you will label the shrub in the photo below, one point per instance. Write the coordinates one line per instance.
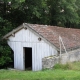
(5, 51)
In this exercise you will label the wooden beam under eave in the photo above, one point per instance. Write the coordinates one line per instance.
(13, 34)
(7, 38)
(25, 28)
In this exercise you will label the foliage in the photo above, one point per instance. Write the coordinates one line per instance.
(35, 11)
(5, 52)
(63, 12)
(78, 11)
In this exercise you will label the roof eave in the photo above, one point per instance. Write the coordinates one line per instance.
(25, 25)
(13, 32)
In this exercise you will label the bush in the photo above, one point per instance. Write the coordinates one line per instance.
(5, 55)
(5, 51)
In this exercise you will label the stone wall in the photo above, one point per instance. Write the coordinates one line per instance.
(71, 56)
(49, 62)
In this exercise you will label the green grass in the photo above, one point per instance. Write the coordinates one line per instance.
(52, 74)
(70, 66)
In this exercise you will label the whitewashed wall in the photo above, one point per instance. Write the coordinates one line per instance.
(40, 49)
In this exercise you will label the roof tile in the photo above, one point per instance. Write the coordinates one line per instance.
(70, 37)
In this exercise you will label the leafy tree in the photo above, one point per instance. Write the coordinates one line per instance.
(35, 11)
(78, 12)
(5, 52)
(63, 12)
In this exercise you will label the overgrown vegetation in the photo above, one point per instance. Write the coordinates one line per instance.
(57, 73)
(5, 51)
(65, 13)
(68, 66)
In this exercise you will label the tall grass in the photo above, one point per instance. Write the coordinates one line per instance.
(69, 66)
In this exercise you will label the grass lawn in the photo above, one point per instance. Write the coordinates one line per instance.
(57, 74)
(53, 74)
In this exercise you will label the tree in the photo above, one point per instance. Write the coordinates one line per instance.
(63, 12)
(35, 11)
(5, 53)
(78, 12)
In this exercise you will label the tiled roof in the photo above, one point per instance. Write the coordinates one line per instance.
(70, 37)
